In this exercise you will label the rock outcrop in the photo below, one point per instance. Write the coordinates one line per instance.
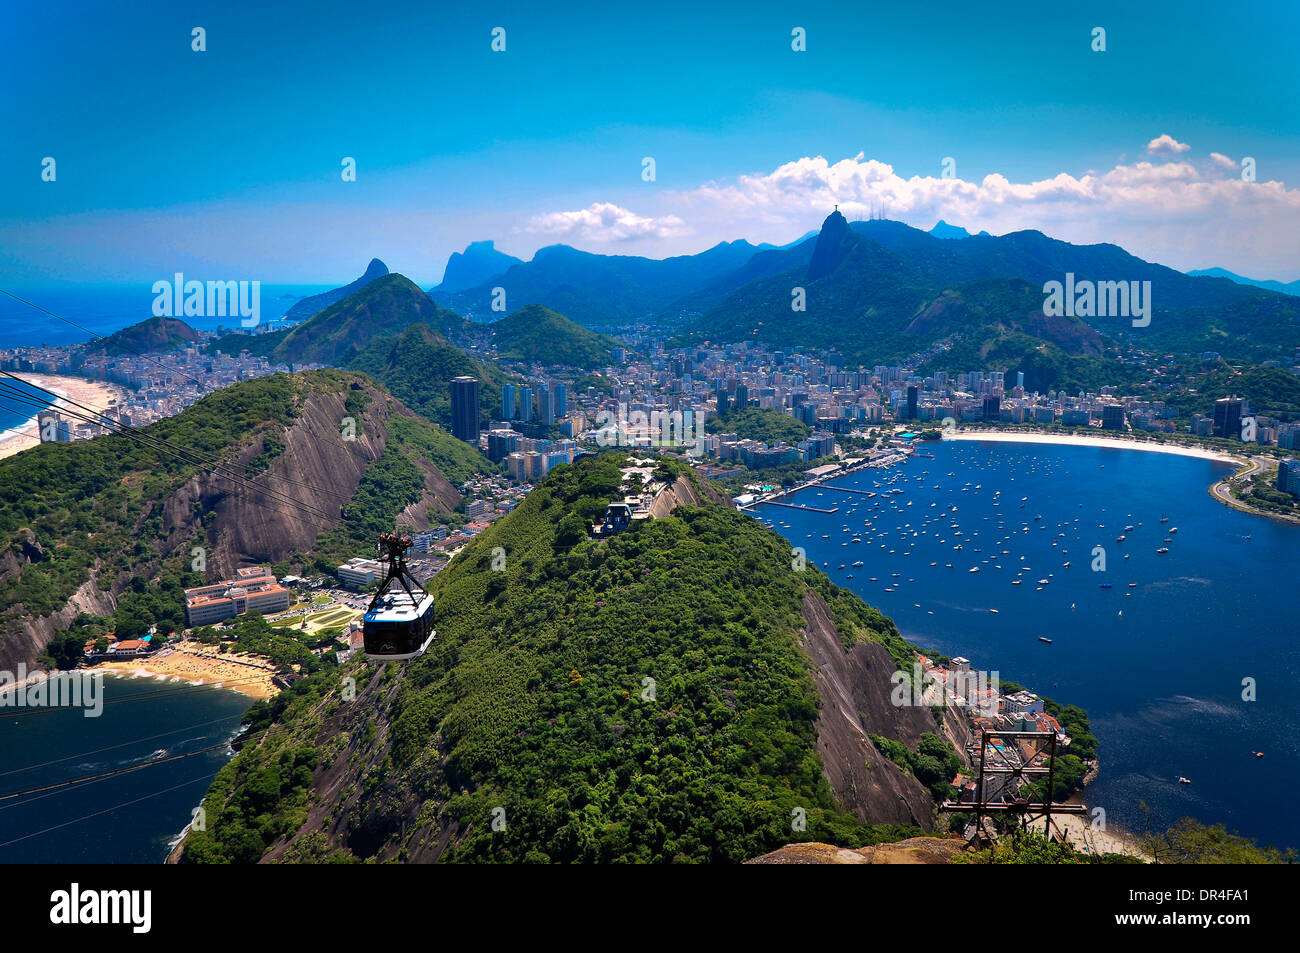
(855, 689)
(914, 850)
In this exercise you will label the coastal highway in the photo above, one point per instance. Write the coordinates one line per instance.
(1223, 489)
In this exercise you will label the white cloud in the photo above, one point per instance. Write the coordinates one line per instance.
(1165, 144)
(1180, 213)
(1223, 161)
(605, 222)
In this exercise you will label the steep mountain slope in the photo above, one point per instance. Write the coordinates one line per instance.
(112, 514)
(599, 289)
(475, 265)
(537, 333)
(676, 693)
(314, 303)
(152, 334)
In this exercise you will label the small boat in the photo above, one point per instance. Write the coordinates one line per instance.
(1259, 754)
(1183, 780)
(994, 611)
(1172, 530)
(1016, 582)
(1043, 638)
(1164, 519)
(974, 568)
(1132, 585)
(1105, 585)
(1162, 550)
(1120, 538)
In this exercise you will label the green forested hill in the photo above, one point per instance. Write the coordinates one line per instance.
(152, 334)
(637, 699)
(751, 423)
(418, 365)
(536, 333)
(335, 335)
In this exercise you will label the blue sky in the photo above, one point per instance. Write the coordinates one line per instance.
(226, 163)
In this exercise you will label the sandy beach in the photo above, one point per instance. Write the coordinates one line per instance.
(1079, 440)
(202, 665)
(1079, 832)
(97, 395)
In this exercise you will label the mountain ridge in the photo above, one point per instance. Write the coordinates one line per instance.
(314, 303)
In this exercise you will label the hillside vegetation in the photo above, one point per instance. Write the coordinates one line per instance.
(418, 365)
(336, 334)
(643, 698)
(538, 334)
(116, 520)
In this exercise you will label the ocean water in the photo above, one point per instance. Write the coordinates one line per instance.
(103, 309)
(1159, 666)
(127, 818)
(14, 413)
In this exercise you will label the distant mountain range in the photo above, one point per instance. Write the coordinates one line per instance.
(596, 289)
(876, 291)
(880, 290)
(1285, 287)
(475, 265)
(943, 230)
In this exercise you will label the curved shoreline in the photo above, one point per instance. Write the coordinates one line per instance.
(97, 395)
(1078, 440)
(1244, 465)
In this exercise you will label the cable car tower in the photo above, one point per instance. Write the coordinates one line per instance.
(399, 621)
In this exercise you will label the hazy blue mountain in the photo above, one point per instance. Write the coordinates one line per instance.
(594, 289)
(943, 230)
(311, 305)
(475, 265)
(1285, 287)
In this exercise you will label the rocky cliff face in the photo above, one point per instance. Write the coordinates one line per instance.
(242, 526)
(855, 688)
(684, 492)
(318, 467)
(28, 640)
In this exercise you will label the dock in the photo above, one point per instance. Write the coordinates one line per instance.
(793, 506)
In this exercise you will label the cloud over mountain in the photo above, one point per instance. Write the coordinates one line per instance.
(605, 222)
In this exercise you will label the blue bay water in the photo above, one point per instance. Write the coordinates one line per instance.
(128, 818)
(14, 413)
(1159, 666)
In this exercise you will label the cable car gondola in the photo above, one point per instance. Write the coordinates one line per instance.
(399, 621)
